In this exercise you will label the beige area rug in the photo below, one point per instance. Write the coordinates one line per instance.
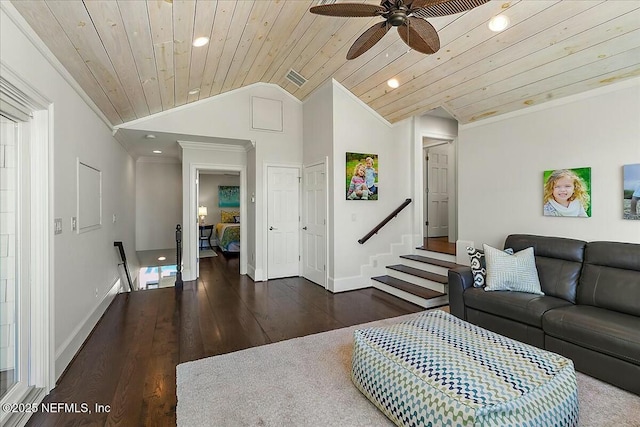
(207, 253)
(306, 382)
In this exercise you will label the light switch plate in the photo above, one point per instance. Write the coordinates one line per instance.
(57, 226)
(74, 223)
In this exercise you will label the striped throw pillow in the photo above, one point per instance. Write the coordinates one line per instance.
(515, 272)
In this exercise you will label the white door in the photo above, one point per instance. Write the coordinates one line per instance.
(283, 222)
(438, 191)
(314, 221)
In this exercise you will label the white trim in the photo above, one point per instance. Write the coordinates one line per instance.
(373, 112)
(206, 100)
(41, 263)
(68, 349)
(349, 283)
(190, 231)
(26, 29)
(164, 160)
(265, 212)
(208, 146)
(633, 82)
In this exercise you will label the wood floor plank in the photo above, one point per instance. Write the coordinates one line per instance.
(129, 361)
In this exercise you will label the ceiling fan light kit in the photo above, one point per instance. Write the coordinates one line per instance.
(408, 16)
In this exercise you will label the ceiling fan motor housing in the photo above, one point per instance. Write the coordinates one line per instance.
(397, 17)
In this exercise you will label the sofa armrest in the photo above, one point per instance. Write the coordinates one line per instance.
(460, 278)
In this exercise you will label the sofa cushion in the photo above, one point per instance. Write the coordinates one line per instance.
(558, 261)
(515, 272)
(611, 277)
(479, 266)
(518, 306)
(598, 329)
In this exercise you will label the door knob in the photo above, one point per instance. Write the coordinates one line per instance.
(304, 228)
(272, 228)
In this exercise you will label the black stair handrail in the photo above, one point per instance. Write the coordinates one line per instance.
(179, 281)
(123, 257)
(384, 221)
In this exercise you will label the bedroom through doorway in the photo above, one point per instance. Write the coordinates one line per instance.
(218, 207)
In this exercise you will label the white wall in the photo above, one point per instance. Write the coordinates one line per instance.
(501, 162)
(208, 194)
(356, 128)
(229, 115)
(158, 203)
(85, 265)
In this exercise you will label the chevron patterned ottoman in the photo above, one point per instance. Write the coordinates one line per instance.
(438, 370)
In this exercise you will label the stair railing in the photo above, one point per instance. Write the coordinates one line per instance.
(179, 281)
(384, 221)
(123, 257)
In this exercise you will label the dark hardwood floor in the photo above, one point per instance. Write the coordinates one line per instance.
(129, 361)
(439, 244)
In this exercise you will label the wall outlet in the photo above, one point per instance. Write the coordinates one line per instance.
(96, 292)
(57, 226)
(114, 218)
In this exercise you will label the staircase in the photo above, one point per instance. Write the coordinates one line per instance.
(420, 278)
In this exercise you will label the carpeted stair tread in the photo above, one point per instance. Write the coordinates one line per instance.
(416, 290)
(434, 261)
(419, 273)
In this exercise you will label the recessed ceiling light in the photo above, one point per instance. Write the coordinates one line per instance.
(393, 83)
(498, 23)
(162, 258)
(194, 91)
(200, 41)
(150, 136)
(157, 151)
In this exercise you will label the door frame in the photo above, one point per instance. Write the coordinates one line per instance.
(324, 162)
(439, 139)
(434, 142)
(265, 211)
(190, 260)
(41, 371)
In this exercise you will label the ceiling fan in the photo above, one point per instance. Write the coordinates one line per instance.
(407, 15)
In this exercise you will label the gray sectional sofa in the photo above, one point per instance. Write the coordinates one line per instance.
(590, 311)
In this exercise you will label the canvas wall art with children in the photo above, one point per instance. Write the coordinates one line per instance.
(567, 192)
(631, 191)
(362, 176)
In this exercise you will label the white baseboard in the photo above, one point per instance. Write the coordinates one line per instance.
(67, 351)
(348, 284)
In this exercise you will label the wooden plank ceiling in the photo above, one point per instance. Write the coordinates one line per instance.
(135, 57)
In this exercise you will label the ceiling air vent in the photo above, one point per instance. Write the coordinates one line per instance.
(295, 78)
(322, 2)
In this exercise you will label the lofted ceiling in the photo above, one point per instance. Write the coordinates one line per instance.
(135, 58)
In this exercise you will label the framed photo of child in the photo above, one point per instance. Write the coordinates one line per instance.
(361, 176)
(631, 191)
(567, 192)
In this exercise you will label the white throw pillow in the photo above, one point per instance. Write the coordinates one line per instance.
(515, 272)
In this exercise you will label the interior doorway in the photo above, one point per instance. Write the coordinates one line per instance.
(218, 208)
(439, 195)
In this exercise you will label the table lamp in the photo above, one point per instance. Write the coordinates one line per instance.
(202, 212)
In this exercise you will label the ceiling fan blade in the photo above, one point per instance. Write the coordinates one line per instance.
(433, 8)
(419, 35)
(348, 10)
(368, 39)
